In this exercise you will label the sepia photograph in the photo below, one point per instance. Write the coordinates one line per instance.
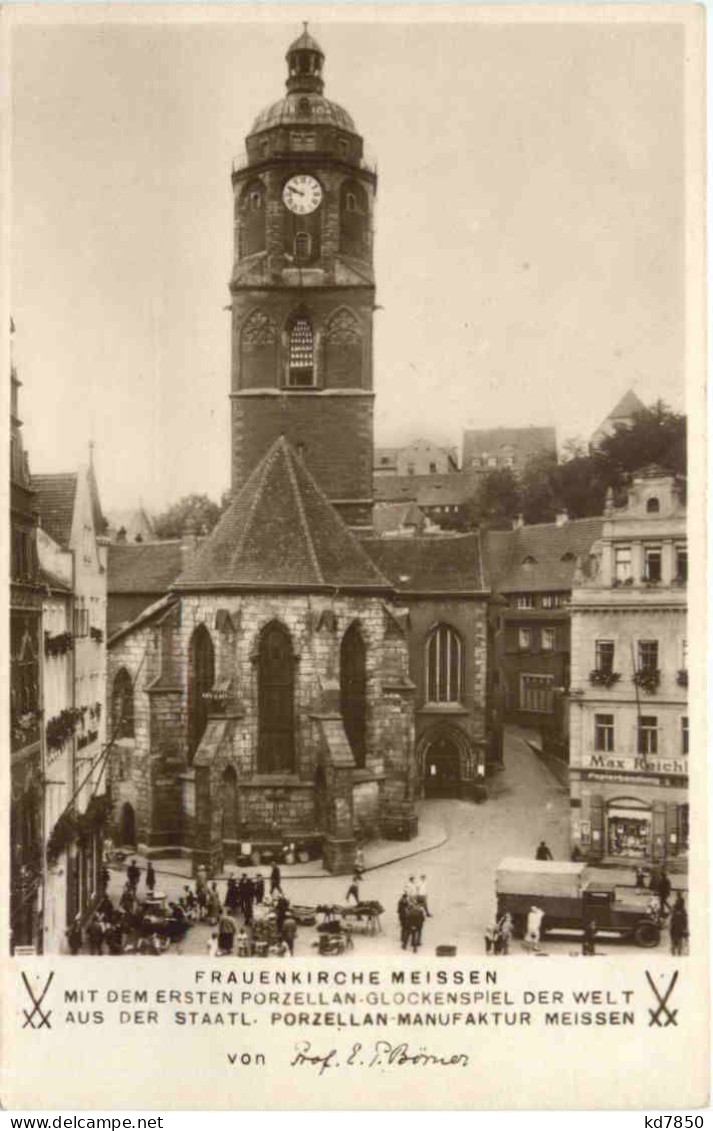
(349, 488)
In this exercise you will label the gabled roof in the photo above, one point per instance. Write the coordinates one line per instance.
(554, 550)
(627, 407)
(281, 531)
(449, 489)
(437, 563)
(523, 441)
(143, 567)
(55, 503)
(395, 516)
(100, 522)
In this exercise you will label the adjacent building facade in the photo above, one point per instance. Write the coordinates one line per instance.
(75, 804)
(26, 816)
(491, 449)
(629, 714)
(420, 457)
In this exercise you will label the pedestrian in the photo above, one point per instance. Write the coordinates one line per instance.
(402, 908)
(664, 890)
(133, 874)
(415, 918)
(289, 932)
(231, 895)
(422, 895)
(212, 945)
(359, 861)
(678, 926)
(640, 877)
(491, 935)
(226, 934)
(95, 935)
(275, 879)
(150, 878)
(281, 913)
(534, 926)
(353, 890)
(259, 887)
(248, 901)
(410, 888)
(589, 937)
(543, 852)
(505, 929)
(213, 904)
(115, 937)
(74, 936)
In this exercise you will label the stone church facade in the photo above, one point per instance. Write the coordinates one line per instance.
(297, 680)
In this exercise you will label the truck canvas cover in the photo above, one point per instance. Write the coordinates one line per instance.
(540, 877)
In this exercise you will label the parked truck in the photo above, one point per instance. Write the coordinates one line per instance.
(570, 898)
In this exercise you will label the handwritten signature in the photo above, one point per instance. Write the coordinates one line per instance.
(382, 1054)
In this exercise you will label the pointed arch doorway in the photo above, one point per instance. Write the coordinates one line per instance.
(442, 768)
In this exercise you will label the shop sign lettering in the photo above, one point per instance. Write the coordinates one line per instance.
(635, 765)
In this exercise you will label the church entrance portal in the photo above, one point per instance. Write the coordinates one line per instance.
(442, 769)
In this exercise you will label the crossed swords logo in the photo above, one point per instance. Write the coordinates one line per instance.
(43, 1016)
(662, 1010)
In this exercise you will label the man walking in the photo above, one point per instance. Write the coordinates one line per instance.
(543, 852)
(678, 927)
(133, 874)
(422, 895)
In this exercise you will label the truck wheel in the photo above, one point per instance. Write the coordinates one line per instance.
(647, 934)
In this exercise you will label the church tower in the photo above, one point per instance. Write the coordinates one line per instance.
(302, 290)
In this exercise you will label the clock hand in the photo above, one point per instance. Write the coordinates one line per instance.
(300, 192)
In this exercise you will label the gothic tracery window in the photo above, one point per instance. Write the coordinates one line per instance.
(122, 705)
(276, 692)
(201, 675)
(352, 686)
(444, 665)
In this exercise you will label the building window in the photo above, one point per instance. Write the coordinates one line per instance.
(122, 705)
(255, 200)
(524, 639)
(201, 676)
(432, 468)
(681, 563)
(548, 639)
(652, 506)
(684, 734)
(604, 656)
(352, 686)
(444, 660)
(351, 202)
(536, 693)
(276, 694)
(411, 469)
(526, 601)
(303, 245)
(81, 622)
(684, 655)
(622, 563)
(343, 147)
(648, 735)
(652, 563)
(301, 372)
(604, 733)
(648, 655)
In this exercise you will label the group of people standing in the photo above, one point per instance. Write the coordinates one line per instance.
(412, 910)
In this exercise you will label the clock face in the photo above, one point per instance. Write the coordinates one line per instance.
(302, 194)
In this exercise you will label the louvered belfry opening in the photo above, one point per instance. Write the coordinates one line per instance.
(276, 694)
(301, 370)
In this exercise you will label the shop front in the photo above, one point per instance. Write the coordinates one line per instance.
(629, 819)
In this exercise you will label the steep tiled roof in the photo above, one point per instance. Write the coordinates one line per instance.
(627, 407)
(280, 530)
(54, 581)
(508, 569)
(394, 516)
(431, 563)
(55, 502)
(523, 441)
(450, 489)
(143, 567)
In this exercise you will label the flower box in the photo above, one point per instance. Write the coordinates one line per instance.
(647, 679)
(603, 678)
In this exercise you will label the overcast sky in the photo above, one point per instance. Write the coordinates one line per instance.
(529, 229)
